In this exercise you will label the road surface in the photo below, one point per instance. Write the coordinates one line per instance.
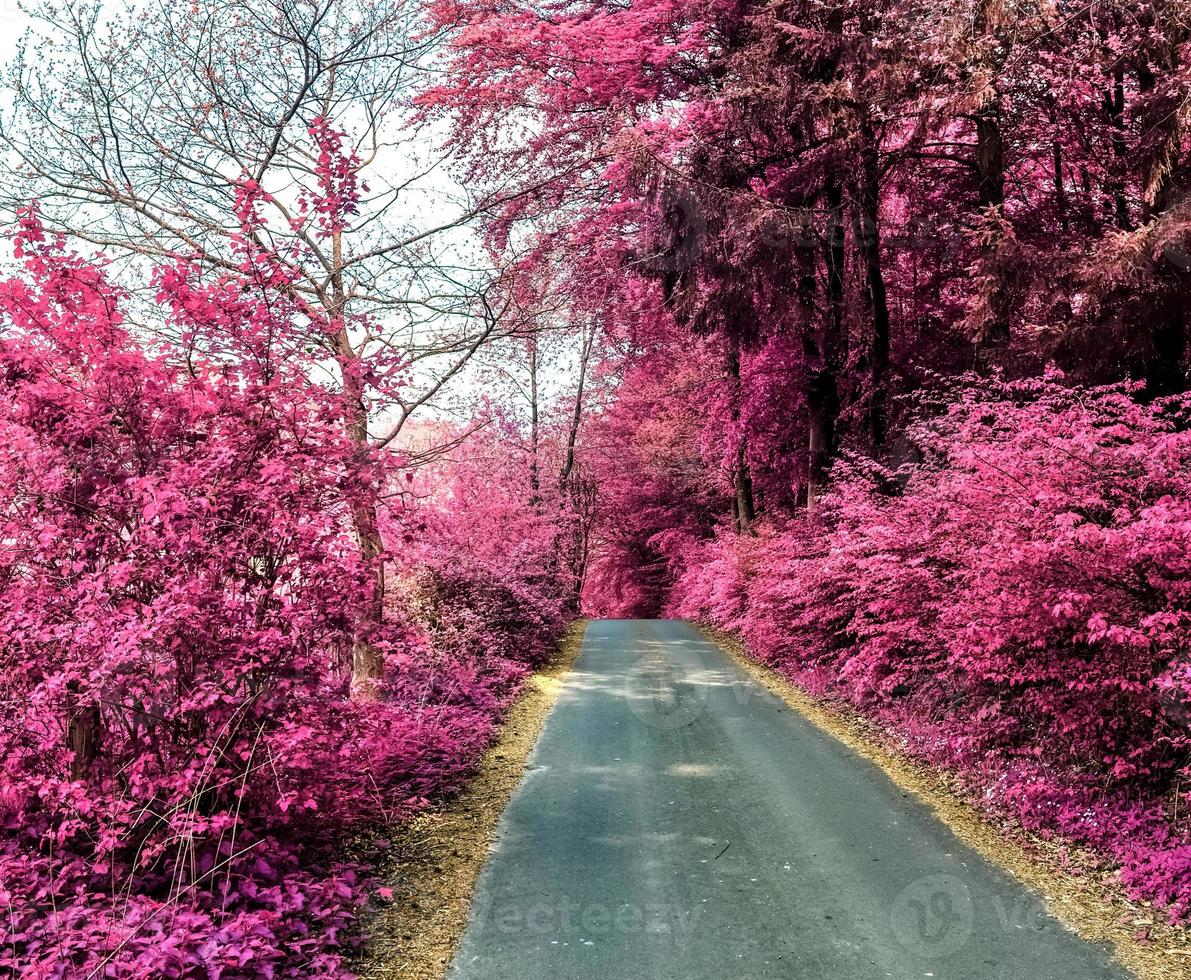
(679, 821)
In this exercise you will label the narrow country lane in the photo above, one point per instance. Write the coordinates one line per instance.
(678, 821)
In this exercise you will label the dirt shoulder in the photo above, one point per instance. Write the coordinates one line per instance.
(435, 859)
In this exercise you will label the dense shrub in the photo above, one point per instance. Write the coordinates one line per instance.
(1014, 603)
(181, 761)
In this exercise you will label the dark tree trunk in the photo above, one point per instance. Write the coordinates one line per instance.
(535, 479)
(1061, 205)
(823, 358)
(990, 160)
(572, 487)
(743, 508)
(867, 231)
(1114, 106)
(990, 169)
(744, 511)
(83, 732)
(990, 155)
(822, 410)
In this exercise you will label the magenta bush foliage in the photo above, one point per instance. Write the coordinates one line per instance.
(789, 218)
(1013, 603)
(181, 760)
(779, 233)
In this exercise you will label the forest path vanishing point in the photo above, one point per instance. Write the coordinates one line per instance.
(679, 821)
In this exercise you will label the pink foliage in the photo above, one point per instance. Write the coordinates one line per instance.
(482, 578)
(1014, 605)
(783, 231)
(178, 577)
(796, 219)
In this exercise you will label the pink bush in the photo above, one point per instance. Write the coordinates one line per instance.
(181, 760)
(1014, 605)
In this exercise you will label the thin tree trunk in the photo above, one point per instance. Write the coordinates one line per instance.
(568, 463)
(822, 391)
(1114, 106)
(867, 231)
(367, 662)
(744, 511)
(569, 485)
(535, 480)
(83, 732)
(1061, 204)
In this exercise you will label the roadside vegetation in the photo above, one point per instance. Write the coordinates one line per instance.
(349, 352)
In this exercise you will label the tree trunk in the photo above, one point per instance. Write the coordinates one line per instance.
(83, 732)
(743, 508)
(990, 168)
(535, 480)
(1114, 106)
(572, 489)
(585, 352)
(867, 231)
(367, 662)
(822, 359)
(822, 410)
(582, 493)
(990, 155)
(1061, 204)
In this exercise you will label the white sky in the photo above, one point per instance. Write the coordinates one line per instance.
(12, 23)
(557, 374)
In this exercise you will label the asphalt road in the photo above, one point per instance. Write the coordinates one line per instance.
(678, 821)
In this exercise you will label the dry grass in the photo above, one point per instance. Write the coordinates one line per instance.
(1079, 889)
(434, 860)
